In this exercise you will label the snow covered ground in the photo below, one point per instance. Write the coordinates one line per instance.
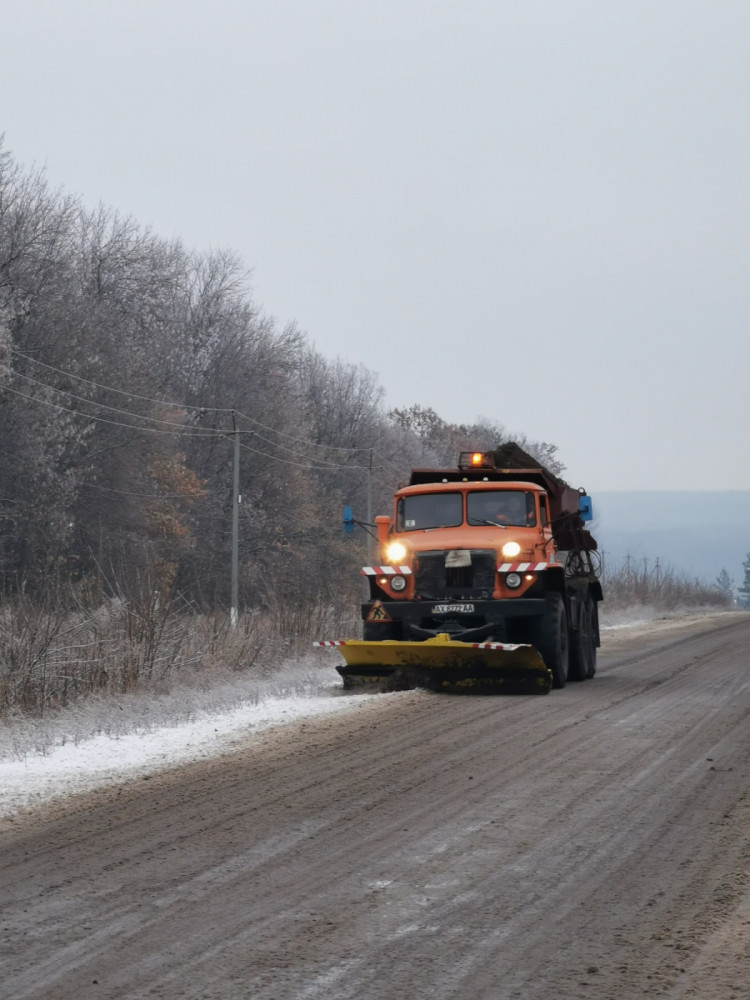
(110, 739)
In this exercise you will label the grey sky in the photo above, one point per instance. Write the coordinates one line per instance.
(535, 211)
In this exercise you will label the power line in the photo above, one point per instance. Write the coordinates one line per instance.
(397, 469)
(323, 464)
(137, 416)
(181, 406)
(275, 444)
(93, 402)
(297, 440)
(128, 493)
(325, 467)
(115, 423)
(121, 392)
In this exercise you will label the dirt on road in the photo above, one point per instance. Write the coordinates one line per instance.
(591, 843)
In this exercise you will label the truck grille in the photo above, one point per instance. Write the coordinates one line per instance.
(435, 581)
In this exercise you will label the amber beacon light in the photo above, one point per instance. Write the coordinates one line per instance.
(475, 460)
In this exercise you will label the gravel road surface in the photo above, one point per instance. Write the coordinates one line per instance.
(591, 843)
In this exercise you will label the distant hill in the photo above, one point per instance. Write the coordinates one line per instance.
(698, 534)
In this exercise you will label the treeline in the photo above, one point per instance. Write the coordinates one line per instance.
(127, 362)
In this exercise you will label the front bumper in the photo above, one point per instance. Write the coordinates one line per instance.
(450, 616)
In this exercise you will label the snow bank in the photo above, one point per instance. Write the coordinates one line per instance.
(112, 739)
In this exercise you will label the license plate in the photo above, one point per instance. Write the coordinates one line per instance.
(453, 609)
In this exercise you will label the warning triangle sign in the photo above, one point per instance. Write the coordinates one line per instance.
(377, 613)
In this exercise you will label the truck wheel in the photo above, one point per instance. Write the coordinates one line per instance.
(594, 637)
(582, 645)
(551, 639)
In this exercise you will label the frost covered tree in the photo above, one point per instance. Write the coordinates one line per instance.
(127, 365)
(743, 592)
(725, 584)
(443, 441)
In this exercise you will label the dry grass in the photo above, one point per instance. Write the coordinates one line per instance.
(662, 590)
(58, 651)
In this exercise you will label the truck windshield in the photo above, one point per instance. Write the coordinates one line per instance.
(515, 507)
(429, 510)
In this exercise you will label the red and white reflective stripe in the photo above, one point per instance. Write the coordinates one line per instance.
(331, 642)
(497, 645)
(385, 570)
(521, 567)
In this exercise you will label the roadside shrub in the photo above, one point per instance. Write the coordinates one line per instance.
(59, 650)
(660, 588)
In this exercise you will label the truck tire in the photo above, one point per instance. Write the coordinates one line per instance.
(551, 639)
(583, 644)
(594, 636)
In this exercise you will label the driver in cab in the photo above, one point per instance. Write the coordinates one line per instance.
(507, 508)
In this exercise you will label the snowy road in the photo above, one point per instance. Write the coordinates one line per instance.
(595, 842)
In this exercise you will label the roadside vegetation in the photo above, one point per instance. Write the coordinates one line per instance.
(663, 590)
(55, 651)
(133, 372)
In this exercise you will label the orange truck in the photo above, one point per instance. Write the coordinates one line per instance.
(487, 579)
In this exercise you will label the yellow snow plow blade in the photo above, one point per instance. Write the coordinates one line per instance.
(442, 664)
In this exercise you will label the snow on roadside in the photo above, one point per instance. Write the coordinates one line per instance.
(638, 615)
(114, 739)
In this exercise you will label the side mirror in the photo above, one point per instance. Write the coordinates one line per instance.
(585, 508)
(383, 527)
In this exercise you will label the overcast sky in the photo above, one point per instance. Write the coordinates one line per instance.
(535, 211)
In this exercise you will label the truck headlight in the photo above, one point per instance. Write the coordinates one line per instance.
(512, 580)
(398, 583)
(395, 552)
(510, 550)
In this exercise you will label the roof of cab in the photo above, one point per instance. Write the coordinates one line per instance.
(467, 484)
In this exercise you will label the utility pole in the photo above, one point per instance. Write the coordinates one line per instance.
(236, 499)
(369, 510)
